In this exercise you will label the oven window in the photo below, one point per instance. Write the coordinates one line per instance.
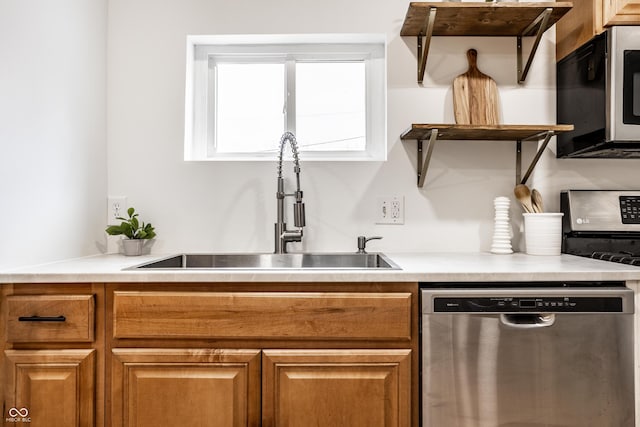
(631, 88)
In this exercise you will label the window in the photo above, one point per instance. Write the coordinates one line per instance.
(244, 92)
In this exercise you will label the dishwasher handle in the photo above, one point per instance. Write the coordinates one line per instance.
(528, 321)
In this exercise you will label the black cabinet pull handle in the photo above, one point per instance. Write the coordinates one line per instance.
(41, 319)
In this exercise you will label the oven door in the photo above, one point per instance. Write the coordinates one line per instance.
(625, 83)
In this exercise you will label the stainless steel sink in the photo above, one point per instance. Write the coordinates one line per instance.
(304, 261)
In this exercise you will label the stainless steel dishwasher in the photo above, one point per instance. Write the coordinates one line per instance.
(548, 354)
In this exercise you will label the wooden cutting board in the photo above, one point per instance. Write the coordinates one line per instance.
(475, 95)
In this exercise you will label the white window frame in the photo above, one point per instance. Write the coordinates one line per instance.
(204, 51)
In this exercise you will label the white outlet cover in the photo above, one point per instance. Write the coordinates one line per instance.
(116, 207)
(389, 210)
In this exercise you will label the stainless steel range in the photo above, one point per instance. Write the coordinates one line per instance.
(602, 224)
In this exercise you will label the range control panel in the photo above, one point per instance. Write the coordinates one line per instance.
(600, 211)
(630, 209)
(527, 304)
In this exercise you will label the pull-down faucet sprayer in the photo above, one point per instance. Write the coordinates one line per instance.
(282, 235)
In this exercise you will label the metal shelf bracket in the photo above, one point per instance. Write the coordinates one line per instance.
(534, 162)
(542, 21)
(425, 157)
(426, 34)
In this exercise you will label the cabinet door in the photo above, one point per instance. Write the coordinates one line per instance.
(355, 388)
(621, 12)
(590, 17)
(578, 26)
(172, 387)
(50, 388)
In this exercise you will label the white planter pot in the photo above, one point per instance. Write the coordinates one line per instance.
(132, 247)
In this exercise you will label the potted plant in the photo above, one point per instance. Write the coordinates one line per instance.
(134, 231)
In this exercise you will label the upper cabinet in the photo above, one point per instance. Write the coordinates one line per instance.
(589, 18)
(427, 19)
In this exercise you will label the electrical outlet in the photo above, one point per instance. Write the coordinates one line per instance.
(390, 210)
(116, 207)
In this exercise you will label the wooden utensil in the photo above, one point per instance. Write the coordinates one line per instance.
(475, 95)
(523, 194)
(536, 201)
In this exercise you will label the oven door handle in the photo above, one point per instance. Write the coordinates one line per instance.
(528, 321)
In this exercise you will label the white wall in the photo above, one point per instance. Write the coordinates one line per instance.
(231, 206)
(52, 130)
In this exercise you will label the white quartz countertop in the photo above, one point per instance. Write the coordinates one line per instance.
(415, 267)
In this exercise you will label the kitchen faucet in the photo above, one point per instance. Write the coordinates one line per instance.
(282, 235)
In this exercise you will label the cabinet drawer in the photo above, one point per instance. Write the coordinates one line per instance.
(262, 315)
(50, 318)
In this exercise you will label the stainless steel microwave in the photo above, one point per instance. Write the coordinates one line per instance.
(598, 91)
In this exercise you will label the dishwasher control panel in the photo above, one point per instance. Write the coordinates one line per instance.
(529, 304)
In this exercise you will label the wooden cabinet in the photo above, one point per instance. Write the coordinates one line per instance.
(52, 355)
(50, 388)
(263, 355)
(589, 18)
(209, 354)
(621, 12)
(169, 387)
(355, 388)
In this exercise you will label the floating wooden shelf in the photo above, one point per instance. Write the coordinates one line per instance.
(427, 19)
(432, 132)
(480, 19)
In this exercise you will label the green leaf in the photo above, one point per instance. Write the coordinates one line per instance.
(130, 211)
(149, 231)
(114, 230)
(127, 230)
